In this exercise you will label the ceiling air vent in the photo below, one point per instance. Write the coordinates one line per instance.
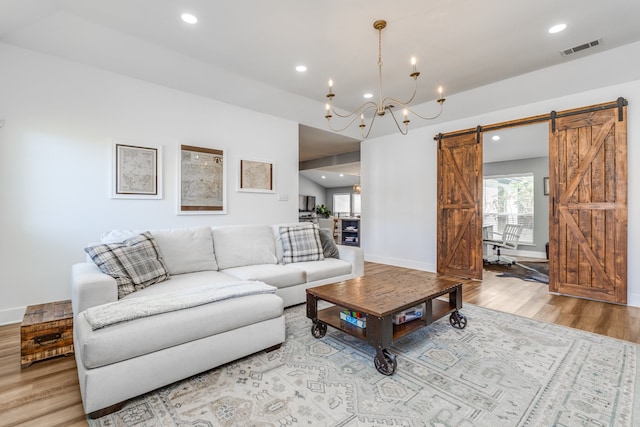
(578, 48)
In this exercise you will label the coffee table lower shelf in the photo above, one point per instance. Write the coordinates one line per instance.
(380, 332)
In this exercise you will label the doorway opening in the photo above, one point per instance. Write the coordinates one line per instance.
(515, 170)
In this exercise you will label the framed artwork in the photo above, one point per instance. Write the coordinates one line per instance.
(255, 176)
(545, 185)
(201, 175)
(137, 172)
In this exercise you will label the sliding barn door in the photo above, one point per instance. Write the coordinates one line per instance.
(460, 205)
(588, 204)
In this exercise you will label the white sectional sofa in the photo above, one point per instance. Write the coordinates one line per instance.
(131, 357)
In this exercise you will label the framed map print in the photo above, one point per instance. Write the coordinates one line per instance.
(137, 172)
(255, 176)
(201, 181)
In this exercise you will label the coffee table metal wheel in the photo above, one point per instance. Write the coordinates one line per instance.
(385, 362)
(318, 329)
(458, 320)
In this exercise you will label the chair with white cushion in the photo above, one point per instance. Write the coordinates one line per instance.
(507, 239)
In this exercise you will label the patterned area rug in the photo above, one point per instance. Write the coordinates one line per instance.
(501, 370)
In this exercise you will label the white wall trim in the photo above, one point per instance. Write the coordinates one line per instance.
(11, 315)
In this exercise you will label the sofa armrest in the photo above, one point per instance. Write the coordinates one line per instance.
(91, 287)
(353, 255)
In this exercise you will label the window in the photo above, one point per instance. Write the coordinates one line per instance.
(356, 204)
(342, 204)
(509, 199)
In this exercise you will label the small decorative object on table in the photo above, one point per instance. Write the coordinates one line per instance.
(46, 331)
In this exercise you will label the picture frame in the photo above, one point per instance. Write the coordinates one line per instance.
(256, 176)
(201, 181)
(136, 171)
(545, 185)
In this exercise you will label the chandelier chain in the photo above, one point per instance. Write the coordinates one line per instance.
(380, 106)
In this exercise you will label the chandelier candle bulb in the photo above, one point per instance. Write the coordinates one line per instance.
(441, 95)
(413, 63)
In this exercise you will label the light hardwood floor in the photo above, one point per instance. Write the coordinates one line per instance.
(47, 392)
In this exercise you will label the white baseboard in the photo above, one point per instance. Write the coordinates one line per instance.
(416, 265)
(11, 315)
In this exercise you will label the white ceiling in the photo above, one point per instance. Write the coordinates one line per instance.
(344, 175)
(244, 51)
(459, 45)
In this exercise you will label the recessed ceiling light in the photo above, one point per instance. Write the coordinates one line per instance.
(341, 174)
(368, 95)
(323, 177)
(557, 28)
(496, 137)
(301, 68)
(189, 18)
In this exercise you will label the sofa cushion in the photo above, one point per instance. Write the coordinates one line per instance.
(301, 243)
(240, 245)
(113, 344)
(184, 250)
(135, 263)
(329, 248)
(278, 275)
(325, 269)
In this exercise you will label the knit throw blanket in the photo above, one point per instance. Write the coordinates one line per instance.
(134, 308)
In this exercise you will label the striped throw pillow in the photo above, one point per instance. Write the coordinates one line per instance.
(301, 243)
(135, 263)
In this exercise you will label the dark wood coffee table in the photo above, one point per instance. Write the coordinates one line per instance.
(379, 297)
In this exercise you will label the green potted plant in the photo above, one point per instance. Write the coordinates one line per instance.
(323, 211)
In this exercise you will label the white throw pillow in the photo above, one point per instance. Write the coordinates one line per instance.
(240, 245)
(186, 250)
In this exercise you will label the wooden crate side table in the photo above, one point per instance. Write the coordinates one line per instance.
(46, 331)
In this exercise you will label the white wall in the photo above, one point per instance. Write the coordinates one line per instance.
(311, 188)
(399, 172)
(55, 153)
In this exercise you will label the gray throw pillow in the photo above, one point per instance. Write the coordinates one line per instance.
(329, 248)
(135, 263)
